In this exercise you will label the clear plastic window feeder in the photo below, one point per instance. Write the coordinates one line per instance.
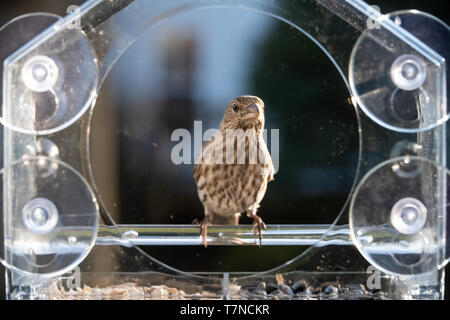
(98, 200)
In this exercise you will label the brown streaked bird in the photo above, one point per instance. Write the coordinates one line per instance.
(234, 167)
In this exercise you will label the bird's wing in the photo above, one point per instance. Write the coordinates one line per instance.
(267, 160)
(200, 159)
(197, 172)
(270, 177)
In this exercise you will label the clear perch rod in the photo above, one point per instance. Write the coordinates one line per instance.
(275, 235)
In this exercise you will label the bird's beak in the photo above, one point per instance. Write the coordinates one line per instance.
(253, 111)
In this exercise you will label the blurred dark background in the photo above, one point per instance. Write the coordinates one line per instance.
(179, 72)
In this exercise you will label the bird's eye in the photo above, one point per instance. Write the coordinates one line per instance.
(235, 107)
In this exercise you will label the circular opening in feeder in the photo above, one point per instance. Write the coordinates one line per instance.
(180, 75)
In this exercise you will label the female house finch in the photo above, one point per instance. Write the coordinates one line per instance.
(235, 166)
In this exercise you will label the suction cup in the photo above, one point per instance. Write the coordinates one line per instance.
(394, 84)
(52, 216)
(50, 75)
(395, 212)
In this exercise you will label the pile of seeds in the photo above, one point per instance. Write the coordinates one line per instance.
(272, 291)
(301, 290)
(125, 291)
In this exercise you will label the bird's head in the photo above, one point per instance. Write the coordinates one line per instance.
(244, 112)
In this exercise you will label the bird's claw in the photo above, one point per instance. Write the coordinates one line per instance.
(258, 225)
(203, 229)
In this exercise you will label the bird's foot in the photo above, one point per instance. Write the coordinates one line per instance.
(203, 229)
(258, 225)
